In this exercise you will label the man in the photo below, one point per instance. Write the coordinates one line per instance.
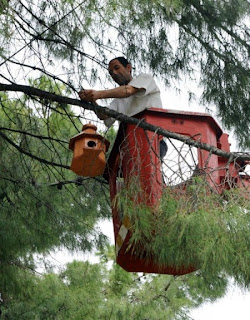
(133, 94)
(131, 97)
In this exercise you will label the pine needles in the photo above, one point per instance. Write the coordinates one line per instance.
(198, 228)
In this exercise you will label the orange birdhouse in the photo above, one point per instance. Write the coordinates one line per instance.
(89, 152)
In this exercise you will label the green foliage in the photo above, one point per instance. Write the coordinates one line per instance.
(105, 291)
(197, 228)
(43, 204)
(3, 5)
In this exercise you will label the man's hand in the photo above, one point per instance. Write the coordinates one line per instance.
(89, 95)
(119, 92)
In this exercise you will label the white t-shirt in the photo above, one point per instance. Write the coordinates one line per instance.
(148, 98)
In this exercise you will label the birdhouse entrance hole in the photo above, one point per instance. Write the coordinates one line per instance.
(91, 144)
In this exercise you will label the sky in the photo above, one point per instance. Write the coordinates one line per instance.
(235, 305)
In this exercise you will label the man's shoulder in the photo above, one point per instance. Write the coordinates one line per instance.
(143, 78)
(143, 75)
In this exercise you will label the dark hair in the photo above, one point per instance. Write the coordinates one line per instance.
(122, 60)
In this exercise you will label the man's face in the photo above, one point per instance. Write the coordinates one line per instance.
(120, 74)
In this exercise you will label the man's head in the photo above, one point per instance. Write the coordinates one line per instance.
(120, 70)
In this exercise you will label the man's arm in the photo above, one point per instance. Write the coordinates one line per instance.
(119, 92)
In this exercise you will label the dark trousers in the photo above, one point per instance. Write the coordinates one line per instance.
(163, 149)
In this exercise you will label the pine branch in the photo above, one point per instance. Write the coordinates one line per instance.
(78, 181)
(205, 13)
(34, 135)
(32, 155)
(62, 40)
(44, 31)
(123, 118)
(54, 77)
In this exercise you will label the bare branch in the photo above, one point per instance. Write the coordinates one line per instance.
(34, 135)
(32, 155)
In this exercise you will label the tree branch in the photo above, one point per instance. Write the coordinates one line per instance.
(54, 77)
(34, 135)
(123, 118)
(62, 41)
(32, 155)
